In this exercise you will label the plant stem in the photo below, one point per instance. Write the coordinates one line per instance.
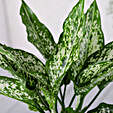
(56, 106)
(38, 106)
(63, 97)
(80, 100)
(61, 103)
(71, 102)
(61, 94)
(45, 103)
(86, 108)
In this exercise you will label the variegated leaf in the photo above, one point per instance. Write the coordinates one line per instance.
(93, 38)
(102, 108)
(106, 53)
(15, 89)
(20, 60)
(92, 68)
(38, 34)
(60, 63)
(103, 76)
(93, 26)
(24, 66)
(91, 72)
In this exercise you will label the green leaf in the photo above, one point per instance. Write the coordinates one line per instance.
(97, 71)
(67, 77)
(60, 63)
(13, 88)
(93, 27)
(92, 40)
(92, 69)
(38, 34)
(16, 60)
(102, 108)
(25, 67)
(95, 64)
(106, 53)
(89, 73)
(105, 74)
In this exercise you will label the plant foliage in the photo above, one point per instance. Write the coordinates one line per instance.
(80, 56)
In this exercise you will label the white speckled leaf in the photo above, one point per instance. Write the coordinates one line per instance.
(13, 88)
(21, 60)
(92, 38)
(91, 72)
(94, 65)
(104, 75)
(25, 67)
(93, 26)
(106, 53)
(38, 34)
(102, 108)
(60, 63)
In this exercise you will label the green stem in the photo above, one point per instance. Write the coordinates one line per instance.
(86, 108)
(80, 100)
(38, 106)
(63, 97)
(45, 103)
(71, 102)
(61, 103)
(56, 106)
(61, 94)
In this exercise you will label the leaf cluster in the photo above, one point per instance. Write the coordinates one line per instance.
(80, 56)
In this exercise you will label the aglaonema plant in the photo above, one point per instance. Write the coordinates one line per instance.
(80, 56)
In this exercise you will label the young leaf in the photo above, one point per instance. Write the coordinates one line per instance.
(38, 34)
(60, 63)
(15, 89)
(102, 108)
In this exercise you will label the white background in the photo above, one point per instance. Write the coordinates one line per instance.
(52, 13)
